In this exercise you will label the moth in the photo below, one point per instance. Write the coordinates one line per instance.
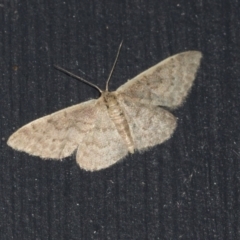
(105, 130)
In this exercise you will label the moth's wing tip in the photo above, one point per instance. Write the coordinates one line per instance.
(14, 142)
(10, 141)
(17, 140)
(194, 57)
(197, 54)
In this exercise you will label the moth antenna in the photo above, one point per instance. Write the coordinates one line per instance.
(119, 48)
(77, 77)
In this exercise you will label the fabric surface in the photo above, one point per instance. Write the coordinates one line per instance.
(186, 188)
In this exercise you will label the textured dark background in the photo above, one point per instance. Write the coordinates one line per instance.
(186, 188)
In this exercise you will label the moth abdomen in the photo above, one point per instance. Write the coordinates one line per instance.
(116, 114)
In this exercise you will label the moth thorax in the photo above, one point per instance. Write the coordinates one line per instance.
(112, 104)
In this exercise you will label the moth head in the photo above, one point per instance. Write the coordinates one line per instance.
(109, 98)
